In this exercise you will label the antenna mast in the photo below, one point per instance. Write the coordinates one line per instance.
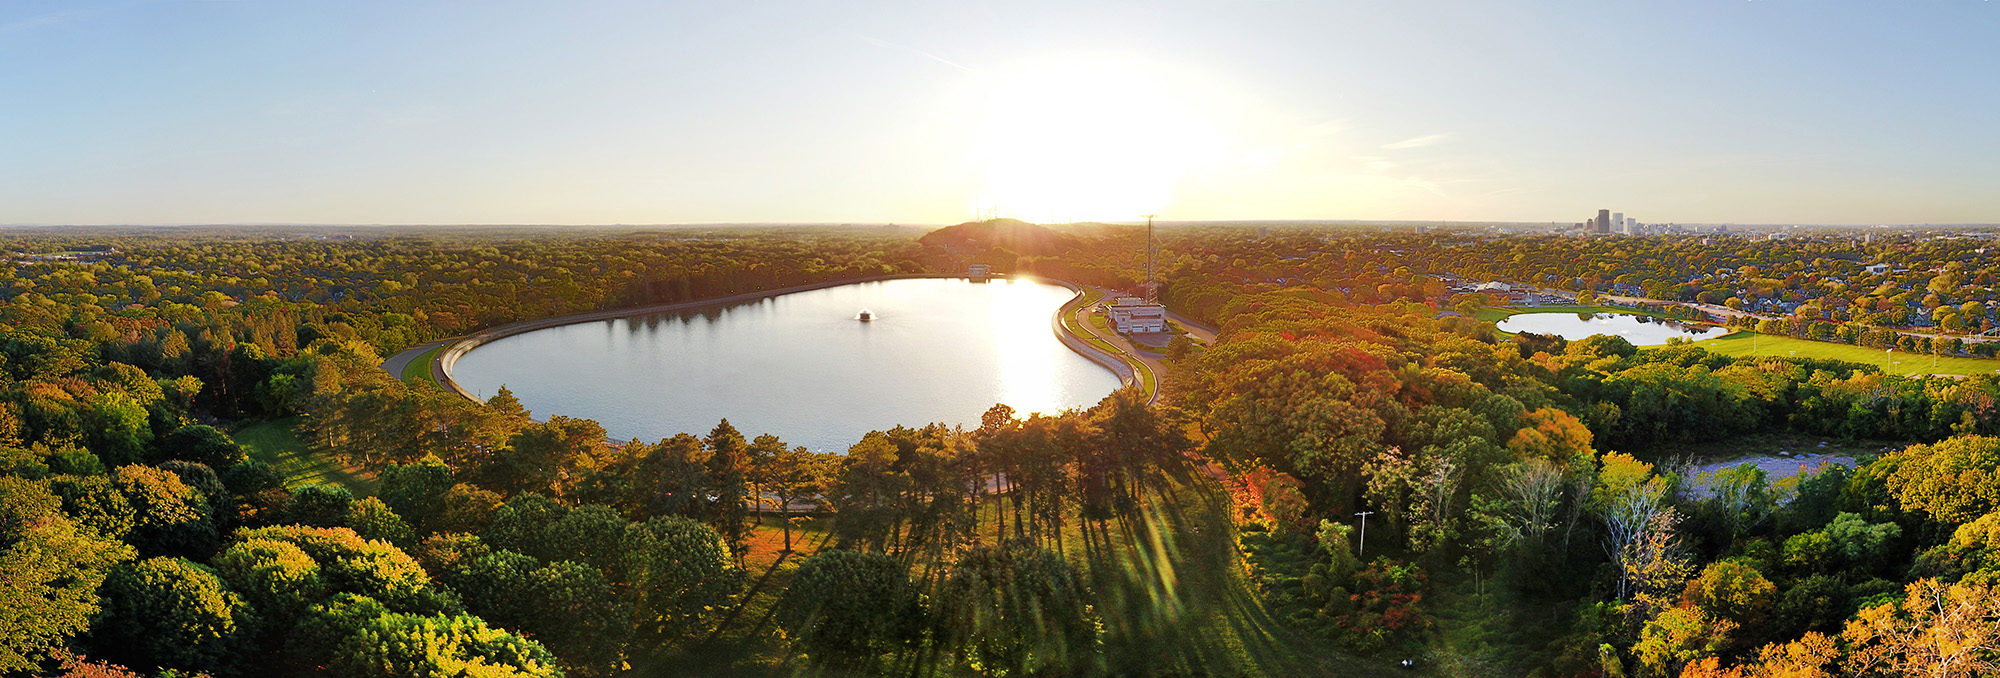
(1151, 286)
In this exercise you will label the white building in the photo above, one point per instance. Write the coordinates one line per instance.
(1130, 315)
(1877, 269)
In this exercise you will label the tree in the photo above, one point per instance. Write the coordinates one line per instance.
(1860, 543)
(358, 636)
(791, 475)
(519, 524)
(349, 564)
(374, 520)
(417, 491)
(1016, 609)
(117, 427)
(169, 517)
(493, 586)
(466, 508)
(1940, 630)
(1678, 636)
(1733, 591)
(79, 666)
(679, 572)
(320, 506)
(172, 613)
(1817, 603)
(52, 567)
(1637, 520)
(1740, 496)
(278, 579)
(94, 502)
(1953, 480)
(1807, 657)
(865, 490)
(568, 607)
(728, 480)
(203, 444)
(1550, 434)
(552, 457)
(847, 607)
(1531, 493)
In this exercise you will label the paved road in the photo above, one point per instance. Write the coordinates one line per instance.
(401, 361)
(1154, 361)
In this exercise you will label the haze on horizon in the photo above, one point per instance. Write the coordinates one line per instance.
(1765, 111)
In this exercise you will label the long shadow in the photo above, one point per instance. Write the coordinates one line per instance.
(751, 594)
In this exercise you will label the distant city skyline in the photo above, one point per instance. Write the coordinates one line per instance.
(1770, 112)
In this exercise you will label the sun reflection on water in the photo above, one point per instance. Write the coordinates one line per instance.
(1026, 363)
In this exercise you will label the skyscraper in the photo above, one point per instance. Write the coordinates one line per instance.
(1603, 224)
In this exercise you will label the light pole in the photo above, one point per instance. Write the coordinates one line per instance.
(1364, 532)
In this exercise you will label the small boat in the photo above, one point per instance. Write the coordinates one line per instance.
(865, 315)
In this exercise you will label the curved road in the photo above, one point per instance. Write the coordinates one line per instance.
(401, 361)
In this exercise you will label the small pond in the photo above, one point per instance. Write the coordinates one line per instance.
(1639, 329)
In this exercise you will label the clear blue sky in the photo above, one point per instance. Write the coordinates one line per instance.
(602, 111)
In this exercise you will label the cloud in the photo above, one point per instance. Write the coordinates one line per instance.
(1418, 142)
(884, 44)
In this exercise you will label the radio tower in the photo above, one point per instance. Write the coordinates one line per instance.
(1152, 287)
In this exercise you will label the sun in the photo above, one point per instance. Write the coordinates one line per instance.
(1086, 139)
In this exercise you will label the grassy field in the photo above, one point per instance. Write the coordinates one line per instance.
(1169, 584)
(1745, 343)
(277, 443)
(420, 369)
(1751, 343)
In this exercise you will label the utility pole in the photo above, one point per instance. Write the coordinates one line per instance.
(1364, 532)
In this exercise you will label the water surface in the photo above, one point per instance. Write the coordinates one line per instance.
(1639, 329)
(801, 366)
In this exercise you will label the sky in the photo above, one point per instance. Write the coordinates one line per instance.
(935, 112)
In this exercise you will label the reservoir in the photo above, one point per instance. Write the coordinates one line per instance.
(803, 366)
(1638, 329)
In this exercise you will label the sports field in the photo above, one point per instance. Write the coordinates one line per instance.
(1897, 362)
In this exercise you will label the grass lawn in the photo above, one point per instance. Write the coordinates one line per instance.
(1168, 582)
(746, 642)
(420, 369)
(1744, 343)
(277, 443)
(1177, 601)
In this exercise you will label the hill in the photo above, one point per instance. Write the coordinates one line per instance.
(1014, 235)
